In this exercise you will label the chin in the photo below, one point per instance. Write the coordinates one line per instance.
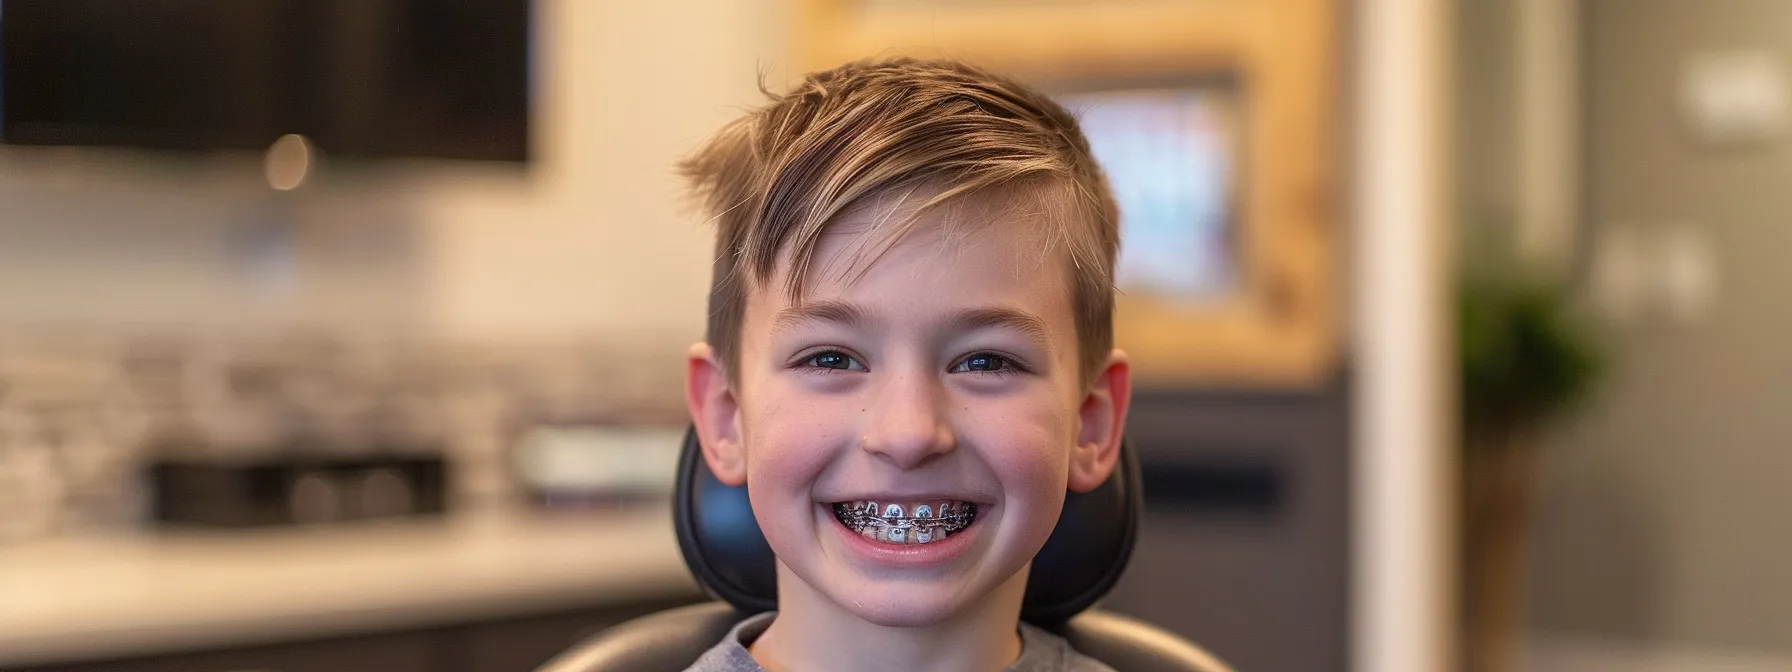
(902, 605)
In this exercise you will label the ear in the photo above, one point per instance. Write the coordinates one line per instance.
(1102, 417)
(716, 413)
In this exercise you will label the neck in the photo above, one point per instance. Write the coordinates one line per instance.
(812, 633)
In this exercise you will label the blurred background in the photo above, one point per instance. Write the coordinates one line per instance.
(348, 334)
(1632, 152)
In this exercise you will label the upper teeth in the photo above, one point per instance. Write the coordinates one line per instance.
(876, 510)
(890, 523)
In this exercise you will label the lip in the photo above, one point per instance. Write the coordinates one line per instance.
(909, 556)
(895, 497)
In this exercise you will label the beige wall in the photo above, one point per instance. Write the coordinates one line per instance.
(591, 240)
(598, 239)
(1516, 87)
(1486, 116)
(1665, 507)
(1662, 507)
(139, 244)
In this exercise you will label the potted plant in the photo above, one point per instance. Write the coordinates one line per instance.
(1526, 358)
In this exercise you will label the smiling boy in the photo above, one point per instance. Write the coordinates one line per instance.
(909, 361)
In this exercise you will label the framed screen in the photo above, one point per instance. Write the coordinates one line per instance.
(1172, 155)
(1215, 122)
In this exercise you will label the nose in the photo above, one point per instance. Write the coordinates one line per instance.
(906, 425)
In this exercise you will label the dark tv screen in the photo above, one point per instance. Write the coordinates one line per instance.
(372, 78)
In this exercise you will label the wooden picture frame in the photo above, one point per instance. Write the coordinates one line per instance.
(1280, 325)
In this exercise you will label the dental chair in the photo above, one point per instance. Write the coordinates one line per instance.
(730, 558)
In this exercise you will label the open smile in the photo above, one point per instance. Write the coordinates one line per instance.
(902, 524)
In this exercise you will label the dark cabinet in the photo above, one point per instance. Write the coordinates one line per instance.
(1244, 547)
(360, 78)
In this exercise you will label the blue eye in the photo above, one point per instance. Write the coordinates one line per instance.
(833, 359)
(984, 362)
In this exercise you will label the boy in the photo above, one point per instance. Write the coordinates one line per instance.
(909, 359)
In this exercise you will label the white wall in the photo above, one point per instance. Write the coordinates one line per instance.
(591, 240)
(1403, 457)
(598, 239)
(104, 243)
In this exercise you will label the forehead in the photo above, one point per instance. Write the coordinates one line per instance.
(969, 253)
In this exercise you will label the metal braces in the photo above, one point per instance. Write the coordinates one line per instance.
(859, 519)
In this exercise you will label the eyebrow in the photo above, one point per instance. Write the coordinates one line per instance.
(839, 312)
(1001, 318)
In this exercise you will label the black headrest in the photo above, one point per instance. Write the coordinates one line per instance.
(1083, 558)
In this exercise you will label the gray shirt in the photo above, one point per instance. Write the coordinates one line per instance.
(1040, 651)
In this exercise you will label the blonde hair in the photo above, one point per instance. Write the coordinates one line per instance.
(774, 179)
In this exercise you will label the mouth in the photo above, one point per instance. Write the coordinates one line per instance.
(907, 523)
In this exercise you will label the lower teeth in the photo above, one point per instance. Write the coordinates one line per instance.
(890, 526)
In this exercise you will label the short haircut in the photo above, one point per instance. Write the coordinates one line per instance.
(774, 179)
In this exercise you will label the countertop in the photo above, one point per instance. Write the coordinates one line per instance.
(109, 596)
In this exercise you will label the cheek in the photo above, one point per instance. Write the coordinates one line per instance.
(789, 443)
(1027, 445)
(788, 446)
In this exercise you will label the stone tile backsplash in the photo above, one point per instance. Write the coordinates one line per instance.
(80, 417)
